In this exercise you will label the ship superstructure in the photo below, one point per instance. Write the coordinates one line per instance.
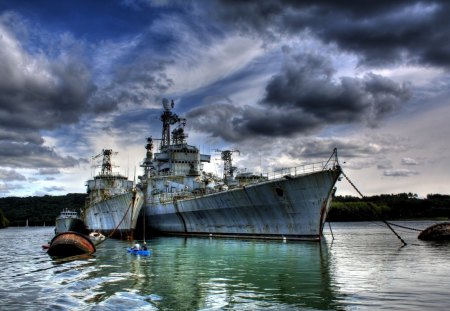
(182, 199)
(113, 203)
(69, 220)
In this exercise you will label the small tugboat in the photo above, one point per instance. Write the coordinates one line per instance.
(69, 221)
(437, 232)
(70, 243)
(71, 236)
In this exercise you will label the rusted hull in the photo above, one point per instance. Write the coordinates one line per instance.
(70, 244)
(438, 232)
(118, 214)
(287, 208)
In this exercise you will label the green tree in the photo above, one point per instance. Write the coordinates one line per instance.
(3, 221)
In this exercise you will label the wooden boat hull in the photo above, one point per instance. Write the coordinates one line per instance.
(70, 243)
(438, 232)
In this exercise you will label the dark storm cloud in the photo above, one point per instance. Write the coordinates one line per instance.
(30, 104)
(366, 147)
(37, 95)
(306, 84)
(353, 153)
(11, 175)
(8, 187)
(13, 154)
(302, 98)
(348, 149)
(49, 171)
(136, 82)
(219, 120)
(379, 32)
(54, 189)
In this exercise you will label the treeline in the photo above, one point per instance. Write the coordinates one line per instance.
(39, 210)
(390, 206)
(4, 222)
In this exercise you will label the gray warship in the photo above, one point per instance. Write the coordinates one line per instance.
(113, 203)
(180, 198)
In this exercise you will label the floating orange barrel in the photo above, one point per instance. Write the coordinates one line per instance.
(70, 243)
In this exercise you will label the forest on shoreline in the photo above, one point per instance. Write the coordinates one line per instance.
(39, 211)
(402, 206)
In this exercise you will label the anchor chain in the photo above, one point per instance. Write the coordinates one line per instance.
(372, 206)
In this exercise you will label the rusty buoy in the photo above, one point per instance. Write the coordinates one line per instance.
(437, 232)
(70, 243)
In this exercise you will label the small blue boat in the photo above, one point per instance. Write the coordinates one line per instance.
(139, 251)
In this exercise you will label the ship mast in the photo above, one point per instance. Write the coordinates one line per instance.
(168, 118)
(178, 134)
(148, 163)
(106, 162)
(228, 168)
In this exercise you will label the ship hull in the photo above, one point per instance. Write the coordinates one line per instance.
(115, 217)
(69, 224)
(293, 207)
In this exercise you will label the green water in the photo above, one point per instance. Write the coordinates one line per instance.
(364, 268)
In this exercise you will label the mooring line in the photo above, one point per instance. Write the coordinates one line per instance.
(404, 227)
(332, 235)
(115, 229)
(374, 208)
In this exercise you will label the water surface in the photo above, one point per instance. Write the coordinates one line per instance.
(363, 268)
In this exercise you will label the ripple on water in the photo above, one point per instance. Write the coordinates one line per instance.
(364, 268)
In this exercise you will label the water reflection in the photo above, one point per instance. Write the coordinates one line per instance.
(193, 274)
(364, 268)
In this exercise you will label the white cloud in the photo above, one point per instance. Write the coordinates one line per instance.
(409, 161)
(400, 173)
(197, 67)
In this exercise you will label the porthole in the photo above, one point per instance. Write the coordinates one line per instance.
(279, 191)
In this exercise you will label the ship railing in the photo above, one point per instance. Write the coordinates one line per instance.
(174, 173)
(169, 173)
(166, 197)
(300, 170)
(113, 175)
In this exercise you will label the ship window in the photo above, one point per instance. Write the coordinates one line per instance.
(279, 191)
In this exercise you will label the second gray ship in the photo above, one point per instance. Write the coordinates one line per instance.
(113, 203)
(182, 199)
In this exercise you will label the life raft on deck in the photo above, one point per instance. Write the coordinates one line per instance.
(437, 232)
(70, 243)
(141, 252)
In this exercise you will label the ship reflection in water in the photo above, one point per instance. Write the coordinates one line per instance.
(196, 274)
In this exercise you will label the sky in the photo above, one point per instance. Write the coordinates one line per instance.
(284, 82)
